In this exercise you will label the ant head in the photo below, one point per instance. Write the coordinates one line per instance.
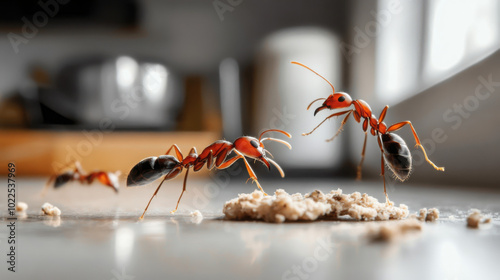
(335, 101)
(251, 147)
(254, 148)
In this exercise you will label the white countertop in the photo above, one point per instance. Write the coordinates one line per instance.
(99, 236)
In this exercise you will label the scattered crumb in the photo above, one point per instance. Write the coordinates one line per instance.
(51, 210)
(282, 207)
(196, 213)
(432, 215)
(196, 216)
(390, 231)
(422, 214)
(452, 218)
(21, 206)
(474, 219)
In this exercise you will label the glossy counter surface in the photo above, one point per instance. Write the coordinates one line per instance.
(99, 236)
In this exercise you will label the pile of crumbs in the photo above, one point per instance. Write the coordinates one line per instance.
(475, 219)
(51, 210)
(282, 207)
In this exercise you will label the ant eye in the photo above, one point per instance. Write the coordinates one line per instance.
(341, 99)
(254, 143)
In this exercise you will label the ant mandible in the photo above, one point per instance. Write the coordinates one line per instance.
(152, 168)
(109, 179)
(392, 147)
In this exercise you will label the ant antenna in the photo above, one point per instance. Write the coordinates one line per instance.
(300, 64)
(277, 130)
(322, 98)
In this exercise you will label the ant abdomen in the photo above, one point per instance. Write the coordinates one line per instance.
(63, 179)
(397, 155)
(150, 169)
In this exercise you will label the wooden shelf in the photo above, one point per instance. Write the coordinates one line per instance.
(41, 153)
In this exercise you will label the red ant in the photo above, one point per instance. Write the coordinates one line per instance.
(393, 148)
(152, 168)
(109, 179)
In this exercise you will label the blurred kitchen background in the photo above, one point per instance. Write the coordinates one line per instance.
(111, 82)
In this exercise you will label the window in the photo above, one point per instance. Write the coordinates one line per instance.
(429, 41)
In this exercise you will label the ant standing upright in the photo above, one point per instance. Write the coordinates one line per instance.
(393, 148)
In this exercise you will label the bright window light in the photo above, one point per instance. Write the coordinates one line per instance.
(460, 32)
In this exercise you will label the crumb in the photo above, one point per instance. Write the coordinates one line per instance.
(196, 213)
(196, 216)
(51, 210)
(46, 207)
(21, 206)
(56, 212)
(452, 218)
(390, 231)
(422, 214)
(432, 215)
(282, 207)
(474, 219)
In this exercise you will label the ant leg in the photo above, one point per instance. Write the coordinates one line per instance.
(360, 165)
(383, 168)
(251, 173)
(47, 185)
(171, 175)
(210, 160)
(78, 168)
(147, 206)
(201, 161)
(221, 154)
(399, 125)
(249, 169)
(229, 162)
(331, 116)
(340, 128)
(382, 115)
(183, 190)
(178, 153)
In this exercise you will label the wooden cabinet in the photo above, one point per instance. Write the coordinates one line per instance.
(41, 153)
